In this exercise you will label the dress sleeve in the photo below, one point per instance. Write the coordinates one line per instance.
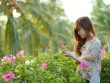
(95, 49)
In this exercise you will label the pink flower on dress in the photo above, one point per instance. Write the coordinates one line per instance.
(83, 65)
(8, 76)
(92, 54)
(44, 66)
(20, 53)
(88, 69)
(89, 77)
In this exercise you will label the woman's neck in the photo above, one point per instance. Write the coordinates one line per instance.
(90, 38)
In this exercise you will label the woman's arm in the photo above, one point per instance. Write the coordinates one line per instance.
(94, 51)
(88, 58)
(74, 56)
(79, 59)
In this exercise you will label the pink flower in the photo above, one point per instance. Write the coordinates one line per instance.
(89, 77)
(88, 69)
(103, 51)
(20, 53)
(5, 58)
(8, 76)
(103, 57)
(62, 45)
(83, 65)
(44, 66)
(13, 59)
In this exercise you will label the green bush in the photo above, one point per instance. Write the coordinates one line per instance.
(58, 69)
(105, 72)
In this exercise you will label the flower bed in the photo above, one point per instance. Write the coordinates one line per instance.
(44, 68)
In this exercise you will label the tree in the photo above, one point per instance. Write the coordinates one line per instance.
(101, 20)
(42, 25)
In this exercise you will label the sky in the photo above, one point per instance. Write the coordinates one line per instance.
(77, 8)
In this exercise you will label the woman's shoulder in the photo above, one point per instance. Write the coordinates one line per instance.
(96, 41)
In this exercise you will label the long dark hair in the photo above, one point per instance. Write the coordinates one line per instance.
(86, 24)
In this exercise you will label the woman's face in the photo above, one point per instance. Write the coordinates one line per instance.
(82, 32)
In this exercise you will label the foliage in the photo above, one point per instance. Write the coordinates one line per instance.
(41, 25)
(105, 76)
(101, 19)
(52, 68)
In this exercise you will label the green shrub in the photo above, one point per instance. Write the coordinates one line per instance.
(59, 69)
(105, 72)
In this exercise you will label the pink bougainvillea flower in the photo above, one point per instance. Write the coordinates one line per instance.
(8, 76)
(103, 57)
(62, 45)
(12, 59)
(20, 53)
(103, 51)
(44, 66)
(5, 58)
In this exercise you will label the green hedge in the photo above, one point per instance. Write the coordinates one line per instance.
(105, 72)
(59, 69)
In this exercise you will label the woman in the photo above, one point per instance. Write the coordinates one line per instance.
(87, 50)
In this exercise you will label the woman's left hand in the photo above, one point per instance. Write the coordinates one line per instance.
(66, 53)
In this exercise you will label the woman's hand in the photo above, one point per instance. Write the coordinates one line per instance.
(69, 53)
(72, 54)
(66, 53)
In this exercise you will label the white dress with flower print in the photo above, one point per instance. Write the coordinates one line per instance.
(90, 70)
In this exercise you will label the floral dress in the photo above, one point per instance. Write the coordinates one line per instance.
(90, 70)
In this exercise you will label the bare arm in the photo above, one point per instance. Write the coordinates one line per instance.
(79, 59)
(88, 58)
(75, 57)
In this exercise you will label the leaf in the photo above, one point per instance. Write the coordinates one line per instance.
(12, 43)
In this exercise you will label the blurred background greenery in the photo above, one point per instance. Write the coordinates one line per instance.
(40, 26)
(44, 25)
